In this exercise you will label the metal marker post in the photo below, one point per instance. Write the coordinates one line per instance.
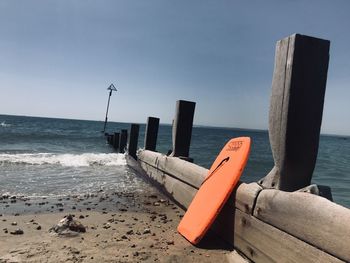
(111, 88)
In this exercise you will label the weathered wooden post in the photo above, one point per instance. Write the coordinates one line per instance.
(151, 133)
(123, 140)
(182, 129)
(108, 138)
(116, 141)
(298, 89)
(133, 139)
(111, 139)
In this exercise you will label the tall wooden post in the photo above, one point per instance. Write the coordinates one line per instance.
(111, 139)
(133, 139)
(151, 133)
(123, 140)
(116, 141)
(298, 89)
(182, 128)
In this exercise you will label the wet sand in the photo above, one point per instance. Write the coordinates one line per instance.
(120, 227)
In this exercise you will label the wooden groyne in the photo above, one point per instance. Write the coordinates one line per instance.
(280, 218)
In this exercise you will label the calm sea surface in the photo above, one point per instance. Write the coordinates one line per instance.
(53, 157)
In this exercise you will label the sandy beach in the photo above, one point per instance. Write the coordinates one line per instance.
(120, 227)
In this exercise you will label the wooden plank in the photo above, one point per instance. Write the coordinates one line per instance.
(244, 197)
(311, 218)
(261, 242)
(187, 172)
(148, 157)
(181, 192)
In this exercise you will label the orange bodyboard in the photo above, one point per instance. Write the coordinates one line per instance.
(222, 178)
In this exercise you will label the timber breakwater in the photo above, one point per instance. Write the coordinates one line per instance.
(282, 216)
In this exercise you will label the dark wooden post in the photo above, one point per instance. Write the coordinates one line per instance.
(123, 140)
(151, 133)
(109, 138)
(133, 139)
(116, 140)
(182, 128)
(298, 89)
(112, 139)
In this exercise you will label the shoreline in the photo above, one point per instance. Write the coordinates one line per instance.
(120, 227)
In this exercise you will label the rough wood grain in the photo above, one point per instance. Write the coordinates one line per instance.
(311, 218)
(298, 88)
(184, 171)
(244, 197)
(261, 242)
(182, 193)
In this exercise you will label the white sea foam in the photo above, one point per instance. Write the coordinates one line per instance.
(73, 160)
(4, 124)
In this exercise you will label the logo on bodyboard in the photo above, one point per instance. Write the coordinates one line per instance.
(234, 146)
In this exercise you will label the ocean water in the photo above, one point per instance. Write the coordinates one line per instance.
(57, 157)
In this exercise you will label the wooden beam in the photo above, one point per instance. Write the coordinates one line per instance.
(308, 217)
(181, 192)
(186, 172)
(261, 242)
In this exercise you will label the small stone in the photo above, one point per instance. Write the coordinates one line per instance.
(14, 223)
(38, 228)
(133, 245)
(135, 254)
(156, 204)
(130, 232)
(81, 217)
(17, 232)
(146, 231)
(124, 237)
(170, 242)
(106, 226)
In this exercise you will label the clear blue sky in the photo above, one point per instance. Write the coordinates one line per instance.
(58, 57)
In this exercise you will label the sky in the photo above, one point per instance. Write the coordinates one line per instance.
(57, 58)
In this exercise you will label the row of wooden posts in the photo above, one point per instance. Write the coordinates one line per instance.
(182, 131)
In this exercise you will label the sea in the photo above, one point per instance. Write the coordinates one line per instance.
(49, 157)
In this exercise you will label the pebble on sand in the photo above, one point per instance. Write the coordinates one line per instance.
(17, 232)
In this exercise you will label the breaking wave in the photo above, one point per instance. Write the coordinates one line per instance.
(4, 124)
(72, 160)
